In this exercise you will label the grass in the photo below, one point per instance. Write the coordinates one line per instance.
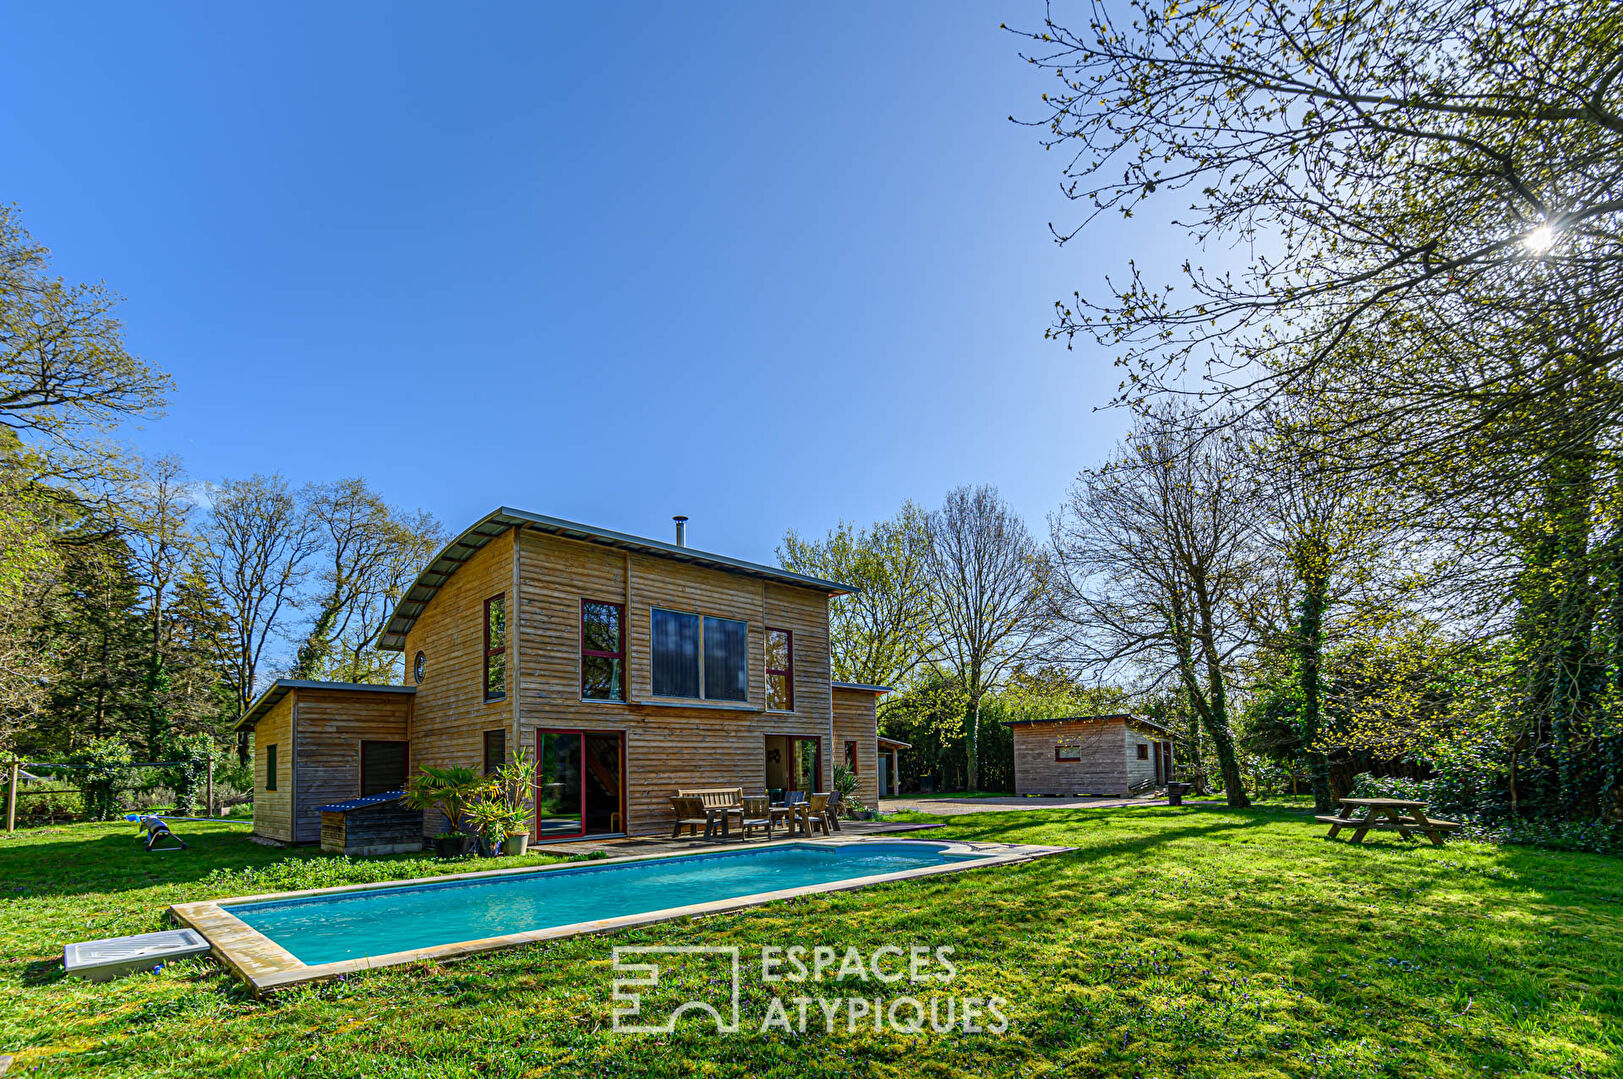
(1172, 942)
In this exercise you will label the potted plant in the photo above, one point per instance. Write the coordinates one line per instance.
(511, 809)
(451, 790)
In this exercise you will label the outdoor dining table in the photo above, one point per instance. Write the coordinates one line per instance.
(789, 813)
(1387, 815)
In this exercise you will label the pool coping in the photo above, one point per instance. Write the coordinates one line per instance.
(266, 966)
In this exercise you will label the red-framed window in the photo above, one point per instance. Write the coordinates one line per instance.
(851, 756)
(496, 647)
(780, 670)
(602, 651)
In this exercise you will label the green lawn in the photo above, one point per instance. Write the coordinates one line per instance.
(1173, 942)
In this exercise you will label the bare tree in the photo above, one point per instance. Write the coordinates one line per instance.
(257, 544)
(879, 635)
(987, 576)
(1153, 560)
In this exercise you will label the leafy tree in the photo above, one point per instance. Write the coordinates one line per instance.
(64, 368)
(880, 635)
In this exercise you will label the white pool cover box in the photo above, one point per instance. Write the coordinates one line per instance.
(103, 960)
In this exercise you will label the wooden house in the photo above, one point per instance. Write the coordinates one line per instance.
(630, 667)
(1108, 755)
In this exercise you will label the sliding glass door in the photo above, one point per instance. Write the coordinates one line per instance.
(579, 783)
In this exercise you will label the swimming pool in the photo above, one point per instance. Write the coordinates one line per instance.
(330, 928)
(292, 938)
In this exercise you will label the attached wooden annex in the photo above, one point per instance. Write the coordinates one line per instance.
(1079, 755)
(630, 667)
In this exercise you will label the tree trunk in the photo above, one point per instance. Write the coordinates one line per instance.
(972, 730)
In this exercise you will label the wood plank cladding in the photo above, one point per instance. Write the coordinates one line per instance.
(1101, 743)
(331, 725)
(450, 713)
(856, 720)
(273, 809)
(669, 743)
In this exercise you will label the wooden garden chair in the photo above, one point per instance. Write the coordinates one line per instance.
(815, 814)
(757, 816)
(690, 813)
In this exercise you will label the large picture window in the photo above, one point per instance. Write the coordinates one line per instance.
(726, 660)
(602, 651)
(675, 650)
(702, 658)
(496, 648)
(780, 670)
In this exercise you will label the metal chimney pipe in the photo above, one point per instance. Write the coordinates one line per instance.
(681, 530)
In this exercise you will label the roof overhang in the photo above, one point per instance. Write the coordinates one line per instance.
(1135, 721)
(859, 687)
(283, 686)
(892, 743)
(464, 547)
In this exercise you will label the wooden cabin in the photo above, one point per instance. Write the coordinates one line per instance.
(1090, 755)
(630, 667)
(322, 742)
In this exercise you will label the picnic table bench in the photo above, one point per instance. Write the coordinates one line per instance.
(1387, 815)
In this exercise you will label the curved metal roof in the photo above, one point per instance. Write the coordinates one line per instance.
(488, 527)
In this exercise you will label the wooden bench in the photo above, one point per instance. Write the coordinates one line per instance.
(719, 804)
(1387, 815)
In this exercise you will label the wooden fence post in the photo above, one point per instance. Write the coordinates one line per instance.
(11, 798)
(209, 810)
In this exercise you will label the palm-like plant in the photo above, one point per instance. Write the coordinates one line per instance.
(450, 789)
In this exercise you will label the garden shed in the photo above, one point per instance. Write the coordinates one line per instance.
(1106, 755)
(318, 743)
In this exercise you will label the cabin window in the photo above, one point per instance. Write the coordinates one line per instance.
(495, 750)
(1143, 752)
(270, 767)
(383, 767)
(851, 756)
(602, 651)
(700, 658)
(1067, 751)
(780, 670)
(496, 648)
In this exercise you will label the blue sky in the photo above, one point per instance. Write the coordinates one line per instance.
(767, 265)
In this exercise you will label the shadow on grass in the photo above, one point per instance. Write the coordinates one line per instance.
(78, 864)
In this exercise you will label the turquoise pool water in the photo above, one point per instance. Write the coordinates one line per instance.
(328, 928)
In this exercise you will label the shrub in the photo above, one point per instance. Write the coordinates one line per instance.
(103, 768)
(46, 801)
(190, 779)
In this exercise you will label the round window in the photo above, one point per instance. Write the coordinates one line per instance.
(417, 666)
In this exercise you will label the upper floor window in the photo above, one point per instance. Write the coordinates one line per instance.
(602, 651)
(780, 670)
(703, 658)
(496, 648)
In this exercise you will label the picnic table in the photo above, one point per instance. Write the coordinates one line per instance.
(1387, 815)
